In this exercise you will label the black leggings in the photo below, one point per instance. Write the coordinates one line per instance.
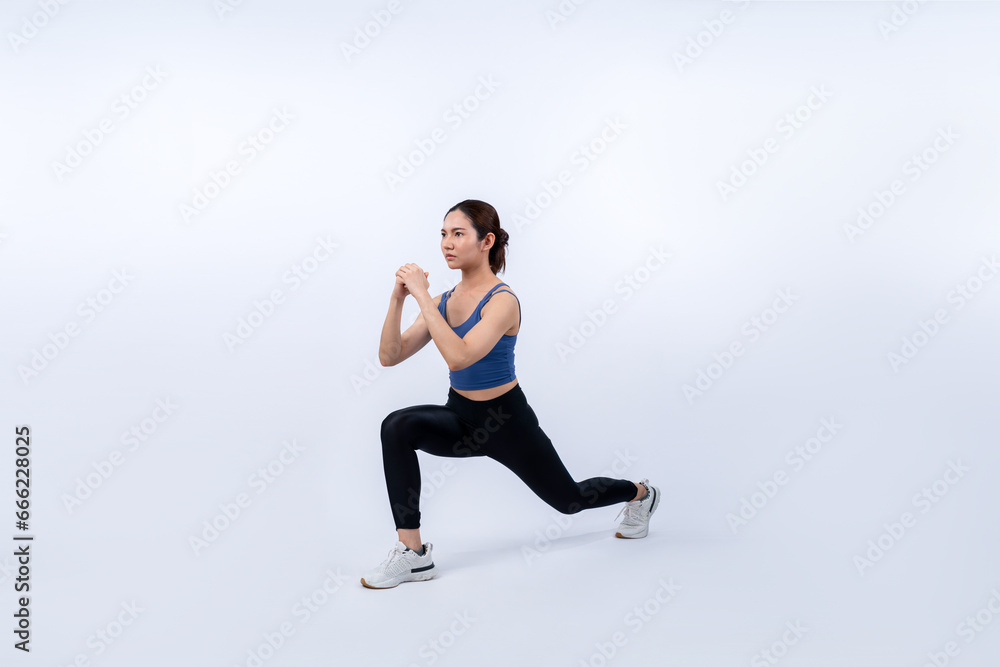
(506, 430)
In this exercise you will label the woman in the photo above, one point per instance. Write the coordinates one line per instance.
(475, 326)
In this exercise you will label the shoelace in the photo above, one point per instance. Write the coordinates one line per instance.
(394, 554)
(631, 510)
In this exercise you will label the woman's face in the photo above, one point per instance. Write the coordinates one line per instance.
(459, 244)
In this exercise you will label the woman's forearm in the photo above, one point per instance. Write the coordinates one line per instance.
(391, 345)
(449, 343)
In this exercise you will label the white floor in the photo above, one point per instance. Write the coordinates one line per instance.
(517, 581)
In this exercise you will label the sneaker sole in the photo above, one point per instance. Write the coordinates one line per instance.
(645, 531)
(413, 576)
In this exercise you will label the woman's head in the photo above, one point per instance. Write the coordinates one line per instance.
(486, 224)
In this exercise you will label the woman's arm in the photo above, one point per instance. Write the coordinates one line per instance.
(498, 315)
(390, 347)
(449, 344)
(459, 352)
(394, 348)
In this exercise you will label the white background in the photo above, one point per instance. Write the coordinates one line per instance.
(309, 371)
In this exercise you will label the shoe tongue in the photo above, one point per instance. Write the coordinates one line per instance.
(401, 547)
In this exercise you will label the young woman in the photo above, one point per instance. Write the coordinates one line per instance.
(474, 326)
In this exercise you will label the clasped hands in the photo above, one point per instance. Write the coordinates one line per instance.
(413, 279)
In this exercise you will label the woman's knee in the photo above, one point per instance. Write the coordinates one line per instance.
(408, 426)
(394, 426)
(576, 500)
(565, 504)
(571, 507)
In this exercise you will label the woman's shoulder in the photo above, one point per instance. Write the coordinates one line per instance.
(504, 287)
(502, 291)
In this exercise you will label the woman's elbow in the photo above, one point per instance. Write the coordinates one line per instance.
(458, 364)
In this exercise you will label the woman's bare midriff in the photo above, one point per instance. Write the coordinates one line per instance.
(486, 394)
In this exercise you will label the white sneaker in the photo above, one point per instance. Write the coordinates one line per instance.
(403, 564)
(637, 513)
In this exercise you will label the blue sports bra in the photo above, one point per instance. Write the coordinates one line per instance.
(494, 369)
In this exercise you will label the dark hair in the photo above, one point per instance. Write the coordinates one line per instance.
(486, 221)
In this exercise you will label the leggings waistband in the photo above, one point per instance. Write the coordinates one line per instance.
(514, 392)
(475, 412)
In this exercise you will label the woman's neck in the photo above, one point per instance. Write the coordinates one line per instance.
(476, 282)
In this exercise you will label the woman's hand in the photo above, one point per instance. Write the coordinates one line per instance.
(410, 279)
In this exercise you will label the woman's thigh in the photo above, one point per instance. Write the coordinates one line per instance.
(526, 451)
(435, 429)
